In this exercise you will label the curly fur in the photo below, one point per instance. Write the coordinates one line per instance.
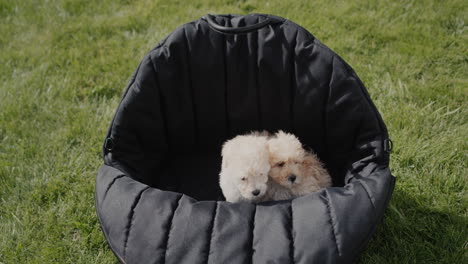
(245, 167)
(264, 163)
(289, 159)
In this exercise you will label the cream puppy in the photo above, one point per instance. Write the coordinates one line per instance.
(276, 192)
(245, 167)
(293, 168)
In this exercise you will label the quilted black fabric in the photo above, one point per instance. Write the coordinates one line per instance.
(157, 194)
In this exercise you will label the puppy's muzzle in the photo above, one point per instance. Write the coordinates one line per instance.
(256, 192)
(292, 178)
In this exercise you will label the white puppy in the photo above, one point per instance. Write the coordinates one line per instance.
(245, 167)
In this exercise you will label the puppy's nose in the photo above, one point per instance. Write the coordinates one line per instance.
(256, 192)
(292, 178)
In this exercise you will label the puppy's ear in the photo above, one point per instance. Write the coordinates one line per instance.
(225, 153)
(226, 148)
(271, 154)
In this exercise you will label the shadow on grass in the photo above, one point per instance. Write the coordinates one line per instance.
(414, 232)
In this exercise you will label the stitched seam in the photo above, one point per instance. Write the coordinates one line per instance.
(325, 110)
(332, 221)
(192, 92)
(110, 185)
(292, 87)
(130, 221)
(161, 103)
(228, 125)
(291, 228)
(253, 229)
(257, 83)
(289, 23)
(211, 232)
(366, 189)
(170, 229)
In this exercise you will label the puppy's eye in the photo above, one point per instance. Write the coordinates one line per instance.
(280, 164)
(243, 179)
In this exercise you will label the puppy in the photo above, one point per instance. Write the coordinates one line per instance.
(293, 168)
(245, 167)
(276, 192)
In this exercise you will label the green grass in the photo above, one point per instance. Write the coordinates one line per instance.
(64, 65)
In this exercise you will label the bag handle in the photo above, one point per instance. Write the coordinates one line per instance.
(234, 30)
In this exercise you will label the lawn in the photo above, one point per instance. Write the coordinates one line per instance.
(64, 65)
